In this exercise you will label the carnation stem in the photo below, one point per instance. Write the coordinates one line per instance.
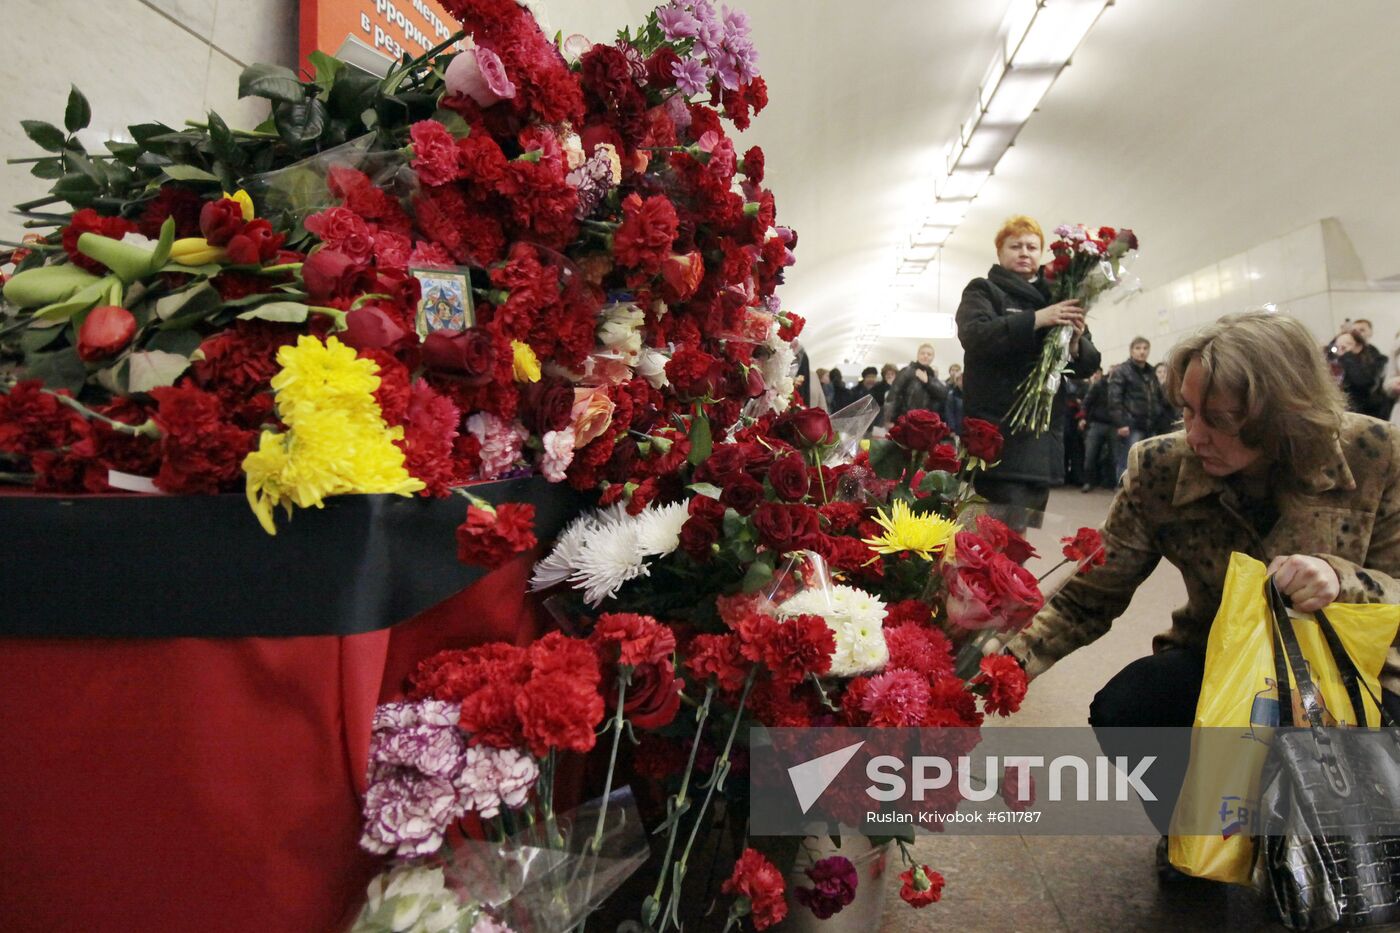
(146, 429)
(1041, 578)
(701, 715)
(624, 677)
(716, 780)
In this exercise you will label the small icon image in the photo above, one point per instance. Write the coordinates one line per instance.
(445, 305)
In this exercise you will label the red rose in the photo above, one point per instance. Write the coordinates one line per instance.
(742, 494)
(653, 695)
(724, 464)
(919, 430)
(659, 74)
(1018, 596)
(805, 427)
(328, 274)
(789, 478)
(371, 328)
(943, 457)
(105, 331)
(981, 439)
(546, 406)
(1004, 683)
(698, 536)
(1086, 547)
(492, 539)
(786, 527)
(471, 353)
(970, 596)
(1002, 538)
(755, 881)
(922, 886)
(220, 220)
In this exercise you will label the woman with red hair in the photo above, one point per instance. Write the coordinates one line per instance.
(1002, 321)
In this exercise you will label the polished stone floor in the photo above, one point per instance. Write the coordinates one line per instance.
(1074, 883)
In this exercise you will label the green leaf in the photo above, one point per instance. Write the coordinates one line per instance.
(61, 370)
(78, 114)
(221, 138)
(150, 369)
(113, 378)
(888, 459)
(354, 90)
(454, 122)
(189, 173)
(701, 441)
(759, 574)
(34, 339)
(273, 82)
(327, 68)
(301, 122)
(939, 482)
(197, 301)
(76, 189)
(144, 133)
(705, 489)
(283, 312)
(76, 161)
(183, 342)
(44, 135)
(48, 169)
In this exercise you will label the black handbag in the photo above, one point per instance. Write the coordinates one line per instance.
(1329, 799)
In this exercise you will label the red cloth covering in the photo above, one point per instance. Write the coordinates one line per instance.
(202, 784)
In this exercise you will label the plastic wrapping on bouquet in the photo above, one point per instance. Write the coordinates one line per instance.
(802, 571)
(550, 875)
(850, 425)
(301, 188)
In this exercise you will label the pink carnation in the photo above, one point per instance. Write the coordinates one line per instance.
(500, 442)
(479, 74)
(496, 777)
(558, 454)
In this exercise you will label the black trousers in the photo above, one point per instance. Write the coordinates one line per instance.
(1162, 690)
(1019, 504)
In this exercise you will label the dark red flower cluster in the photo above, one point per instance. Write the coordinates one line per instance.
(1085, 547)
(202, 449)
(758, 885)
(646, 648)
(1002, 683)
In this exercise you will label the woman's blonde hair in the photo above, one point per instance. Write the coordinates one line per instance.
(1015, 226)
(1271, 363)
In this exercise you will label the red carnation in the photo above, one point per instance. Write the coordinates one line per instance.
(202, 451)
(1086, 547)
(752, 166)
(896, 699)
(640, 639)
(88, 220)
(759, 889)
(430, 424)
(922, 886)
(718, 656)
(435, 157)
(794, 648)
(490, 538)
(919, 648)
(1003, 683)
(694, 373)
(172, 201)
(558, 711)
(648, 228)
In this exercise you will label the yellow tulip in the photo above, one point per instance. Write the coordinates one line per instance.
(527, 365)
(195, 251)
(244, 201)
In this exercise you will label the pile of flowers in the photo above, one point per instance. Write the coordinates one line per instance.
(1086, 264)
(228, 309)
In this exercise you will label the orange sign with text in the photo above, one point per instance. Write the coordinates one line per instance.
(356, 29)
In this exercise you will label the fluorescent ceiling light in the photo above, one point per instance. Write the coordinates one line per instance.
(919, 252)
(988, 144)
(947, 213)
(1018, 94)
(961, 184)
(931, 235)
(1055, 32)
(923, 325)
(1014, 25)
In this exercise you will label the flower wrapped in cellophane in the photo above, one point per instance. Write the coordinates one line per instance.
(1085, 264)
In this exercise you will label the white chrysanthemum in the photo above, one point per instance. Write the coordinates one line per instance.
(609, 559)
(856, 620)
(777, 371)
(659, 528)
(564, 558)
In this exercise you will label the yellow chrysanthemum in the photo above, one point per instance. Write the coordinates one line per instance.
(336, 440)
(527, 365)
(907, 532)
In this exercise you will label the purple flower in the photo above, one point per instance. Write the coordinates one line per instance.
(407, 812)
(726, 68)
(677, 22)
(737, 24)
(691, 76)
(496, 777)
(677, 111)
(420, 736)
(834, 882)
(745, 58)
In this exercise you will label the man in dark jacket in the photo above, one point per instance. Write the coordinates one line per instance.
(1135, 401)
(916, 386)
(1099, 432)
(1002, 321)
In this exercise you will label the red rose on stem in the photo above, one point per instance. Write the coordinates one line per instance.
(1003, 539)
(981, 439)
(786, 527)
(742, 494)
(1018, 596)
(490, 539)
(789, 478)
(758, 886)
(943, 457)
(922, 886)
(653, 695)
(805, 428)
(919, 430)
(105, 331)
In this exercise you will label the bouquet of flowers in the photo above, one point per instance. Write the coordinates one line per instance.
(1085, 265)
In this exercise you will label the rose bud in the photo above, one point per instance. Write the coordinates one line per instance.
(255, 243)
(105, 331)
(807, 427)
(479, 74)
(372, 328)
(220, 220)
(327, 273)
(469, 353)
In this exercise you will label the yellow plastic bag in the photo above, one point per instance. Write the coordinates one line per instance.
(1239, 692)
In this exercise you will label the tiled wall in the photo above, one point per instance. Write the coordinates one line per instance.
(136, 60)
(1291, 272)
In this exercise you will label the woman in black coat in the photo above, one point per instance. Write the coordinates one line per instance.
(1002, 321)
